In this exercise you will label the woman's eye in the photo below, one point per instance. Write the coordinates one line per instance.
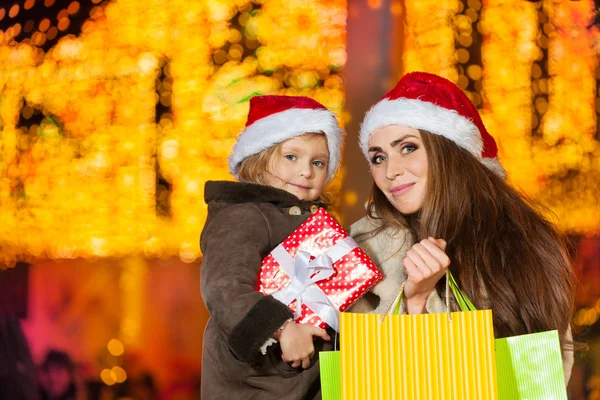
(409, 148)
(378, 159)
(290, 157)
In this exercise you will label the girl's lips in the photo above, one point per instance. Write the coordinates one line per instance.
(300, 186)
(400, 190)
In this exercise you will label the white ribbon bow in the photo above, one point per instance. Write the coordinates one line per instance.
(305, 274)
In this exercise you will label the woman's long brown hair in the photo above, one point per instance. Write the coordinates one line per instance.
(504, 253)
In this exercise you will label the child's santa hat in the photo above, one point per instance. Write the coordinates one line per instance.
(274, 119)
(429, 102)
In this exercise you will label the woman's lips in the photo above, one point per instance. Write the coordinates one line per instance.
(400, 190)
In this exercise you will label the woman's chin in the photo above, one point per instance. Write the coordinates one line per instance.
(405, 208)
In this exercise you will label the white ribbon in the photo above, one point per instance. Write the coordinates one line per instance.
(305, 274)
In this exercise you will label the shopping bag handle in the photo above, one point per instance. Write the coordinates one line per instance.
(463, 301)
(451, 286)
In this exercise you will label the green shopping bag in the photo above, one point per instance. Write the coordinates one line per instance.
(329, 364)
(527, 366)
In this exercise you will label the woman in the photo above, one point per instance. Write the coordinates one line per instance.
(440, 201)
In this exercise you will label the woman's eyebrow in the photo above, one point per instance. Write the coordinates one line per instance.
(402, 139)
(393, 144)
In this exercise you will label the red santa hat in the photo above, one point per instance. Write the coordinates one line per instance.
(426, 101)
(274, 119)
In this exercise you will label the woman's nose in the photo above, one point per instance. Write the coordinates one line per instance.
(394, 169)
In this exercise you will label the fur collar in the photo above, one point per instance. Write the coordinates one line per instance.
(239, 193)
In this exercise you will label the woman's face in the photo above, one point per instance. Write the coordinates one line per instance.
(399, 166)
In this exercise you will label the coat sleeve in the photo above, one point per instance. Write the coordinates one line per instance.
(387, 248)
(232, 245)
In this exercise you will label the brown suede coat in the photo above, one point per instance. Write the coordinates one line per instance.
(245, 222)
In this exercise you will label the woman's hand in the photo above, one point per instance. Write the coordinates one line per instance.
(296, 341)
(425, 263)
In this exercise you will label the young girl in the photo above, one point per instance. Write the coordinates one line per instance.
(252, 347)
(440, 200)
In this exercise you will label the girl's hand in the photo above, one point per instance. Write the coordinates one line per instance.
(425, 263)
(296, 341)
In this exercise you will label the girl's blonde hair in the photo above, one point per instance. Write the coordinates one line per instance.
(252, 169)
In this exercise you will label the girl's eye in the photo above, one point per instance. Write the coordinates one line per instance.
(290, 157)
(378, 159)
(409, 148)
(318, 163)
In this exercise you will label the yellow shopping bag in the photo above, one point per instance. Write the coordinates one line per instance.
(427, 356)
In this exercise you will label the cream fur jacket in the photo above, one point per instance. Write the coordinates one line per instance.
(387, 249)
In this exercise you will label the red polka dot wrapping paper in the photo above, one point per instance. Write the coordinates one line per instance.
(355, 274)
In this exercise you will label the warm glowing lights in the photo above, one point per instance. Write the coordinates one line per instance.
(350, 198)
(569, 143)
(429, 37)
(100, 147)
(557, 165)
(469, 62)
(52, 32)
(44, 25)
(587, 316)
(299, 34)
(396, 8)
(115, 347)
(463, 56)
(132, 284)
(28, 27)
(508, 51)
(38, 39)
(99, 162)
(14, 11)
(16, 29)
(474, 72)
(62, 14)
(118, 374)
(375, 4)
(63, 24)
(558, 168)
(107, 377)
(112, 376)
(73, 8)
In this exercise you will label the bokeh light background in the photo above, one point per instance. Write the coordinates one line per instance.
(141, 109)
(113, 115)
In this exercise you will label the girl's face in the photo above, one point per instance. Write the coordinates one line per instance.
(399, 166)
(300, 168)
